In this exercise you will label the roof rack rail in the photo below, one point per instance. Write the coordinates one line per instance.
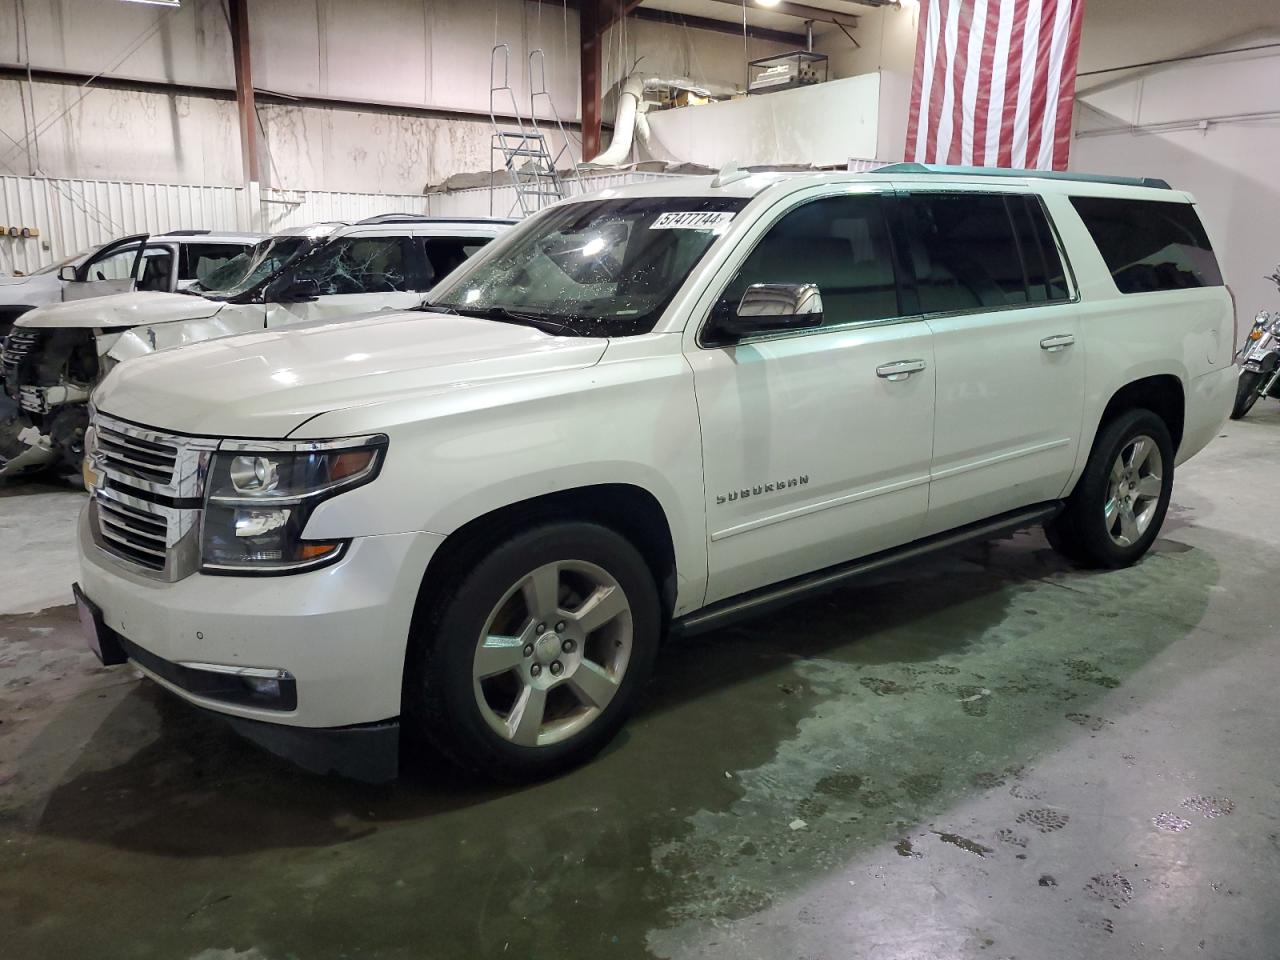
(956, 171)
(185, 233)
(427, 218)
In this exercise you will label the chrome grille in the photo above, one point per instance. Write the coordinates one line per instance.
(134, 456)
(135, 534)
(147, 502)
(18, 345)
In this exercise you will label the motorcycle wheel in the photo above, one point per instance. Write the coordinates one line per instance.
(1247, 391)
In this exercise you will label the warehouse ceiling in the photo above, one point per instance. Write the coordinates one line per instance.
(783, 15)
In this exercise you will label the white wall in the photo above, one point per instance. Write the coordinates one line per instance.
(428, 55)
(888, 46)
(825, 124)
(1189, 123)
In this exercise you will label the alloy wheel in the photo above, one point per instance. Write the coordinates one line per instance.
(553, 653)
(1133, 491)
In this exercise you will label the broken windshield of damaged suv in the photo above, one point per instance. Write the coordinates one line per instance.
(56, 354)
(641, 414)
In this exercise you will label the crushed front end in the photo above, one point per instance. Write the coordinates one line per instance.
(47, 376)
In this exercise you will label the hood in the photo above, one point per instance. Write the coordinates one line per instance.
(8, 281)
(266, 385)
(122, 310)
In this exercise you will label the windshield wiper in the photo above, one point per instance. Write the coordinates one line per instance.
(503, 315)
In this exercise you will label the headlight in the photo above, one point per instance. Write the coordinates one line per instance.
(260, 497)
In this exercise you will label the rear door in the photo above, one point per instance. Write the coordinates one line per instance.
(992, 286)
(351, 276)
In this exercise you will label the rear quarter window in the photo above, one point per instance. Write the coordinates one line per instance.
(1150, 245)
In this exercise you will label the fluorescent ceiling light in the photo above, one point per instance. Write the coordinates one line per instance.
(766, 3)
(158, 3)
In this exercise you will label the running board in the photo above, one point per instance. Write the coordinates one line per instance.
(759, 601)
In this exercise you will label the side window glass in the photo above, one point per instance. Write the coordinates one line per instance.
(117, 265)
(1055, 271)
(358, 265)
(156, 268)
(1045, 280)
(1150, 244)
(198, 260)
(965, 252)
(839, 243)
(445, 253)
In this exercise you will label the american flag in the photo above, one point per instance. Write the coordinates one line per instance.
(994, 83)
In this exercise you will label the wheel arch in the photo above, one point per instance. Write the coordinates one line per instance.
(629, 509)
(1163, 394)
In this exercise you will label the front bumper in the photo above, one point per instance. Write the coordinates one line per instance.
(340, 633)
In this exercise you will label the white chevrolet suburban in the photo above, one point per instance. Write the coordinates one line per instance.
(646, 411)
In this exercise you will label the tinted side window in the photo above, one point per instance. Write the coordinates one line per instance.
(198, 260)
(358, 265)
(157, 266)
(1046, 280)
(445, 253)
(839, 243)
(1150, 244)
(966, 254)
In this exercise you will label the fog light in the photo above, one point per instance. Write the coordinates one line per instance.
(263, 686)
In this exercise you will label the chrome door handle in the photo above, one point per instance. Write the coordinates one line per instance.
(1060, 342)
(899, 369)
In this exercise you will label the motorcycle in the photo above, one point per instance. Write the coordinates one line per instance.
(1259, 360)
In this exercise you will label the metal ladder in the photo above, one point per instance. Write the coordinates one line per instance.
(523, 151)
(538, 89)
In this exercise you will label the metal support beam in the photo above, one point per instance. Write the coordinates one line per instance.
(590, 34)
(239, 12)
(803, 11)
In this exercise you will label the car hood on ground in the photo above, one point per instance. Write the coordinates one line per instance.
(265, 385)
(122, 310)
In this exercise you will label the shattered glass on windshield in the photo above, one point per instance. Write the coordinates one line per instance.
(359, 265)
(242, 274)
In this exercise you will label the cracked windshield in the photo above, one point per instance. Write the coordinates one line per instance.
(603, 268)
(362, 265)
(242, 274)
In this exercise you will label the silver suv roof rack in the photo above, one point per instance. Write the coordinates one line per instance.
(944, 170)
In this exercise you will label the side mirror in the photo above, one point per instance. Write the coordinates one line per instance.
(768, 307)
(297, 291)
(68, 273)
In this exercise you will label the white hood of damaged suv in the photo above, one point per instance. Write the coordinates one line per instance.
(265, 385)
(121, 310)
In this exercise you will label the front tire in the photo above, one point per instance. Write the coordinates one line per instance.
(1118, 506)
(530, 662)
(1247, 393)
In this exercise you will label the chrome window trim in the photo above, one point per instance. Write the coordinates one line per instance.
(813, 332)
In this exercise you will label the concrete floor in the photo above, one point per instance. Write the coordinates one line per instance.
(989, 756)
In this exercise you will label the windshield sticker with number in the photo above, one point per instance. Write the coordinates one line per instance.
(694, 220)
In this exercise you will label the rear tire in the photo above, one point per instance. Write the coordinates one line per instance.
(479, 666)
(1247, 393)
(1118, 506)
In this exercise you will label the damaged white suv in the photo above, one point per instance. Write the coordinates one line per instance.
(56, 354)
(650, 410)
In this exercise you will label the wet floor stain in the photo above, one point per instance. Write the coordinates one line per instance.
(964, 843)
(1170, 822)
(885, 688)
(1043, 819)
(1210, 807)
(904, 849)
(1088, 721)
(1112, 888)
(1011, 837)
